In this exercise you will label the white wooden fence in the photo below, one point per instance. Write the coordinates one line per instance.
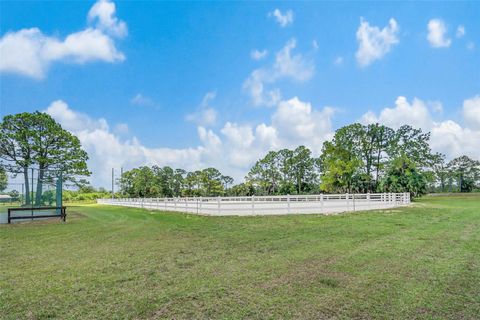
(268, 205)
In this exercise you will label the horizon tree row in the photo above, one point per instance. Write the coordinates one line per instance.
(158, 181)
(359, 158)
(363, 158)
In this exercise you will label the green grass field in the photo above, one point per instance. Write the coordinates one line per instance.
(109, 262)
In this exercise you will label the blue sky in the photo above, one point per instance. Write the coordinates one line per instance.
(177, 83)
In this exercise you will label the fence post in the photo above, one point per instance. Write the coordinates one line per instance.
(368, 200)
(321, 203)
(288, 203)
(201, 204)
(175, 203)
(253, 205)
(348, 201)
(218, 205)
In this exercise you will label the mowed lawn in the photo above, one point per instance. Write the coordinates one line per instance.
(111, 262)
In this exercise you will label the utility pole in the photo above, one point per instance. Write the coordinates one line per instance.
(113, 191)
(121, 180)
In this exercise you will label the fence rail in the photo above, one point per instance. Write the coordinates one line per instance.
(268, 205)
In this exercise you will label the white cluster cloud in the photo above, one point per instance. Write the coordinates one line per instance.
(286, 65)
(258, 55)
(283, 19)
(74, 121)
(103, 13)
(437, 34)
(471, 112)
(233, 149)
(374, 43)
(205, 115)
(29, 52)
(296, 121)
(416, 114)
(447, 136)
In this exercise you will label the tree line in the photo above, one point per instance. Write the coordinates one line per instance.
(359, 159)
(158, 181)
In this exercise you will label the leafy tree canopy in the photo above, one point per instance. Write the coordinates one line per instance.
(37, 140)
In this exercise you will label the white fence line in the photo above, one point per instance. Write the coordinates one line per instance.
(268, 205)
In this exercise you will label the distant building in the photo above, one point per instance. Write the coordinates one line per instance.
(5, 198)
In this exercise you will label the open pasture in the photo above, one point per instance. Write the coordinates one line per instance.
(421, 261)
